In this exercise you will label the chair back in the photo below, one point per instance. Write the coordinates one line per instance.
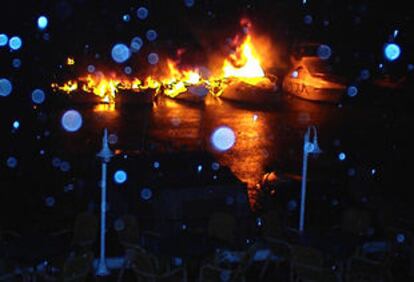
(272, 225)
(85, 230)
(222, 226)
(356, 221)
(143, 263)
(77, 268)
(364, 270)
(315, 274)
(129, 235)
(302, 255)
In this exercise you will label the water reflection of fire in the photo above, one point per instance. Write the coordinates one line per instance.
(243, 65)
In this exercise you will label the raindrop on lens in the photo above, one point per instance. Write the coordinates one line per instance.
(120, 176)
(120, 53)
(16, 63)
(215, 166)
(112, 138)
(324, 52)
(16, 124)
(119, 224)
(5, 87)
(91, 68)
(38, 96)
(50, 201)
(189, 3)
(308, 19)
(142, 13)
(153, 58)
(11, 162)
(364, 74)
(392, 51)
(146, 194)
(56, 162)
(128, 70)
(42, 22)
(136, 44)
(15, 43)
(64, 166)
(352, 91)
(3, 40)
(151, 35)
(71, 121)
(126, 18)
(223, 138)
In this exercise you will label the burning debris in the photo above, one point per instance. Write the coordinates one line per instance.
(242, 66)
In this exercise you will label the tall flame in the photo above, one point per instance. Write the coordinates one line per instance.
(243, 63)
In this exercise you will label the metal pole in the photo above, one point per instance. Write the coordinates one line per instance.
(306, 149)
(102, 268)
(105, 154)
(303, 191)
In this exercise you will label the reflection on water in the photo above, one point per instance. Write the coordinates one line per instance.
(255, 143)
(263, 136)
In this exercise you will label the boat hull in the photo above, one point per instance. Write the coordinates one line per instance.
(308, 92)
(250, 94)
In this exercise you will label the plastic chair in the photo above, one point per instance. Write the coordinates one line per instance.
(272, 225)
(146, 268)
(129, 235)
(364, 270)
(222, 227)
(75, 269)
(218, 270)
(85, 230)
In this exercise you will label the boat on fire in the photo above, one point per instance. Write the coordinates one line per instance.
(263, 90)
(312, 79)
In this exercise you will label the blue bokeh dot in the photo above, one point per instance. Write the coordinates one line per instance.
(223, 138)
(120, 176)
(11, 162)
(5, 87)
(392, 51)
(324, 52)
(120, 53)
(352, 91)
(15, 43)
(142, 13)
(71, 121)
(38, 96)
(42, 22)
(151, 35)
(3, 39)
(153, 58)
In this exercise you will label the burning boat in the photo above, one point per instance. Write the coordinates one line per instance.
(104, 89)
(312, 79)
(240, 77)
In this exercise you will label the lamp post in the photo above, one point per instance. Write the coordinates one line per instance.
(309, 147)
(105, 155)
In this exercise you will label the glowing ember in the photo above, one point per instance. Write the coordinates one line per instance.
(70, 61)
(244, 65)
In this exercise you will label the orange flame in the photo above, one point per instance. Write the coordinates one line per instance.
(242, 65)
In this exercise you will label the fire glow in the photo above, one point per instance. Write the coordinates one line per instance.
(243, 65)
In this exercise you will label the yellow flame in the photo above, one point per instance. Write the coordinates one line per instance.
(243, 64)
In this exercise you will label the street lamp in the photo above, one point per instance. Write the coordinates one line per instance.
(105, 155)
(309, 147)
